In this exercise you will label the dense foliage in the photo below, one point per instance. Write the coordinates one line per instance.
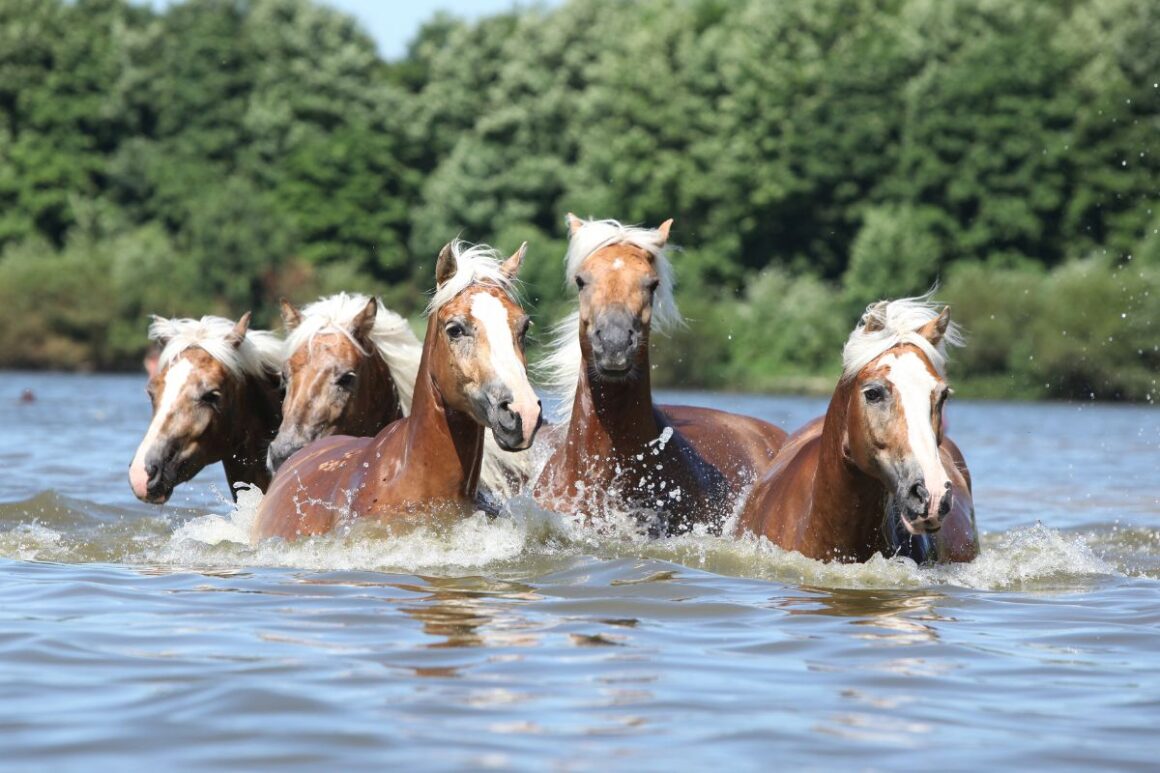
(213, 155)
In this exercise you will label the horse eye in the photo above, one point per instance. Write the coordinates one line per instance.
(874, 394)
(455, 331)
(211, 397)
(653, 284)
(346, 380)
(580, 282)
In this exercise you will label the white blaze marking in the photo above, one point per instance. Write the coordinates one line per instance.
(914, 385)
(175, 380)
(505, 361)
(618, 263)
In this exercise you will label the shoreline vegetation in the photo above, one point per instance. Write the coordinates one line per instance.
(212, 156)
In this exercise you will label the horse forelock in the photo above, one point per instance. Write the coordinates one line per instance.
(595, 235)
(474, 264)
(259, 355)
(898, 322)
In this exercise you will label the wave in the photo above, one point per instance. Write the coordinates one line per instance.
(529, 541)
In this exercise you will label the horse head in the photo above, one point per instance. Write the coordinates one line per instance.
(336, 377)
(625, 284)
(895, 370)
(476, 332)
(198, 396)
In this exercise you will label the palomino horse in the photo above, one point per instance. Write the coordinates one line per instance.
(876, 474)
(350, 369)
(676, 464)
(215, 399)
(472, 375)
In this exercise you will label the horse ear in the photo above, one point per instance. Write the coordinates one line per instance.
(663, 230)
(574, 223)
(155, 323)
(291, 316)
(238, 334)
(511, 266)
(934, 330)
(445, 265)
(364, 321)
(875, 317)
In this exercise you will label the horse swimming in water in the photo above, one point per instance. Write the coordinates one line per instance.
(215, 398)
(876, 474)
(674, 465)
(349, 369)
(472, 375)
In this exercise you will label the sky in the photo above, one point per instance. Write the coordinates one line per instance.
(392, 23)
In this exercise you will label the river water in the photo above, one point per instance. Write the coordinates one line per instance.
(134, 634)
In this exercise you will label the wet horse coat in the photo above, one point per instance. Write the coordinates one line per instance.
(675, 465)
(471, 374)
(215, 398)
(875, 474)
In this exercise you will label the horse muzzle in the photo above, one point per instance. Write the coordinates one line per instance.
(151, 483)
(615, 338)
(919, 511)
(513, 423)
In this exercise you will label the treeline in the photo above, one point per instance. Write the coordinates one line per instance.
(214, 155)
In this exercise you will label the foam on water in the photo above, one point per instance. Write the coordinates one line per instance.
(525, 537)
(1031, 557)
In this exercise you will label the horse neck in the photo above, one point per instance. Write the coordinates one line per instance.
(612, 417)
(377, 402)
(439, 438)
(847, 504)
(251, 429)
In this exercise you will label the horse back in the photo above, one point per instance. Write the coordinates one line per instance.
(741, 447)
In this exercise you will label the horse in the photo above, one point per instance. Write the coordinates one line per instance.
(673, 466)
(472, 375)
(216, 398)
(349, 369)
(877, 473)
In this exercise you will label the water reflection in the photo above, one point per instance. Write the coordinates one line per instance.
(895, 618)
(472, 612)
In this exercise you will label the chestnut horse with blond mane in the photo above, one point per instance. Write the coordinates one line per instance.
(876, 474)
(215, 398)
(472, 376)
(349, 369)
(675, 466)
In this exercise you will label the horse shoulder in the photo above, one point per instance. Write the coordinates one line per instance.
(958, 539)
(780, 501)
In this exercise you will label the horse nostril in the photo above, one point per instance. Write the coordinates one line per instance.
(944, 505)
(918, 491)
(151, 469)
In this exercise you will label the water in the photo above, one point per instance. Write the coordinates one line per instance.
(131, 633)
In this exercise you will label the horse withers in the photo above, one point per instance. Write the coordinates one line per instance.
(472, 376)
(876, 474)
(675, 466)
(215, 398)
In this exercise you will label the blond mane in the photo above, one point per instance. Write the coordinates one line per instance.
(391, 335)
(259, 355)
(474, 264)
(898, 323)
